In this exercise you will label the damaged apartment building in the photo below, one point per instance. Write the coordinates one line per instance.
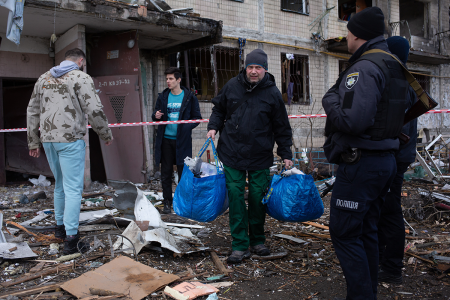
(306, 45)
(126, 43)
(208, 39)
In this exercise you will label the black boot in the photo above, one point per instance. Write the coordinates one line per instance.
(167, 207)
(60, 232)
(71, 245)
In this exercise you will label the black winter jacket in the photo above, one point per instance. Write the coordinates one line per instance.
(353, 118)
(190, 110)
(247, 139)
(407, 152)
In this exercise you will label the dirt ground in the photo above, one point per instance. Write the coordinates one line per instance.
(309, 270)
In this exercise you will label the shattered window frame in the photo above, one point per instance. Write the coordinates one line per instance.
(300, 63)
(209, 69)
(286, 6)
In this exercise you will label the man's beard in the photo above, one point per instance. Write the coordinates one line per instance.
(252, 82)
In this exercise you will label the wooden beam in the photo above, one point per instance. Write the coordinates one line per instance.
(219, 264)
(2, 141)
(33, 291)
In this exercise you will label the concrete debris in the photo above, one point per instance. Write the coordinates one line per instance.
(284, 236)
(302, 259)
(21, 250)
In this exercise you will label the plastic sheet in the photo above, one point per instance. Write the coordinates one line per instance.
(293, 199)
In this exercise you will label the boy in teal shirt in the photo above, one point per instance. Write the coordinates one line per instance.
(174, 141)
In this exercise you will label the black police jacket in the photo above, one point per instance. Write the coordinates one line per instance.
(189, 110)
(247, 138)
(352, 117)
(407, 152)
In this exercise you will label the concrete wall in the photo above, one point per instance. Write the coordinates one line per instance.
(28, 60)
(73, 38)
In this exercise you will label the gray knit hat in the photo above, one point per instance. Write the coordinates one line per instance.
(257, 57)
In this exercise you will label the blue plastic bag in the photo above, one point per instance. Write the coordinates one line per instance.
(293, 199)
(201, 199)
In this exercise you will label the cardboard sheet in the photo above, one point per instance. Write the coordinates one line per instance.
(122, 275)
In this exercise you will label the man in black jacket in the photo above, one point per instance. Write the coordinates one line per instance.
(365, 111)
(250, 115)
(174, 141)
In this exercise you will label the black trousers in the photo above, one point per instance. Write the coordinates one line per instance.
(168, 160)
(356, 202)
(391, 229)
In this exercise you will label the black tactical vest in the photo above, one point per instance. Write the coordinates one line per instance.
(392, 106)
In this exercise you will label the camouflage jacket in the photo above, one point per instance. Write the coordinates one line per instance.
(59, 105)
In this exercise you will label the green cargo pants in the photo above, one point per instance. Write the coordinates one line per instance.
(247, 227)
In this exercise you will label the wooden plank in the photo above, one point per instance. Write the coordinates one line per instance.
(33, 291)
(38, 267)
(421, 258)
(219, 263)
(304, 234)
(316, 225)
(46, 272)
(55, 295)
(2, 141)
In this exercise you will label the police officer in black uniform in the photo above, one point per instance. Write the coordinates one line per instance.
(365, 111)
(391, 229)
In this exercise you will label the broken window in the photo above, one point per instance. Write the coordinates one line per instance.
(414, 13)
(207, 70)
(297, 6)
(295, 79)
(348, 8)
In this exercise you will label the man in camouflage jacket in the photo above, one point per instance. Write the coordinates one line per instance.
(60, 100)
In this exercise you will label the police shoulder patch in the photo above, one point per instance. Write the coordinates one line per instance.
(351, 80)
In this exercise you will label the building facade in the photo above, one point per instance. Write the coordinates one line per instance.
(208, 40)
(313, 33)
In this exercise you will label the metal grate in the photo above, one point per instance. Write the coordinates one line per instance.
(207, 70)
(295, 79)
(117, 103)
(424, 81)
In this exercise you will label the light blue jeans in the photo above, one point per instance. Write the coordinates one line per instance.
(66, 161)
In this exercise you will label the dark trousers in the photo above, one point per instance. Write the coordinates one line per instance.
(168, 160)
(356, 202)
(391, 229)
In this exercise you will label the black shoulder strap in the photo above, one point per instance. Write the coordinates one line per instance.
(235, 106)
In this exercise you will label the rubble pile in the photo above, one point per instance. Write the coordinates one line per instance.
(136, 253)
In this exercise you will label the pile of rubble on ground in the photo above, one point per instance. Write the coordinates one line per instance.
(136, 253)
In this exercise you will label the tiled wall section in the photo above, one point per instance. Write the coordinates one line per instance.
(336, 27)
(395, 11)
(289, 23)
(232, 13)
(24, 65)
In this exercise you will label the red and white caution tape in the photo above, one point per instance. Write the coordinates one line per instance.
(437, 111)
